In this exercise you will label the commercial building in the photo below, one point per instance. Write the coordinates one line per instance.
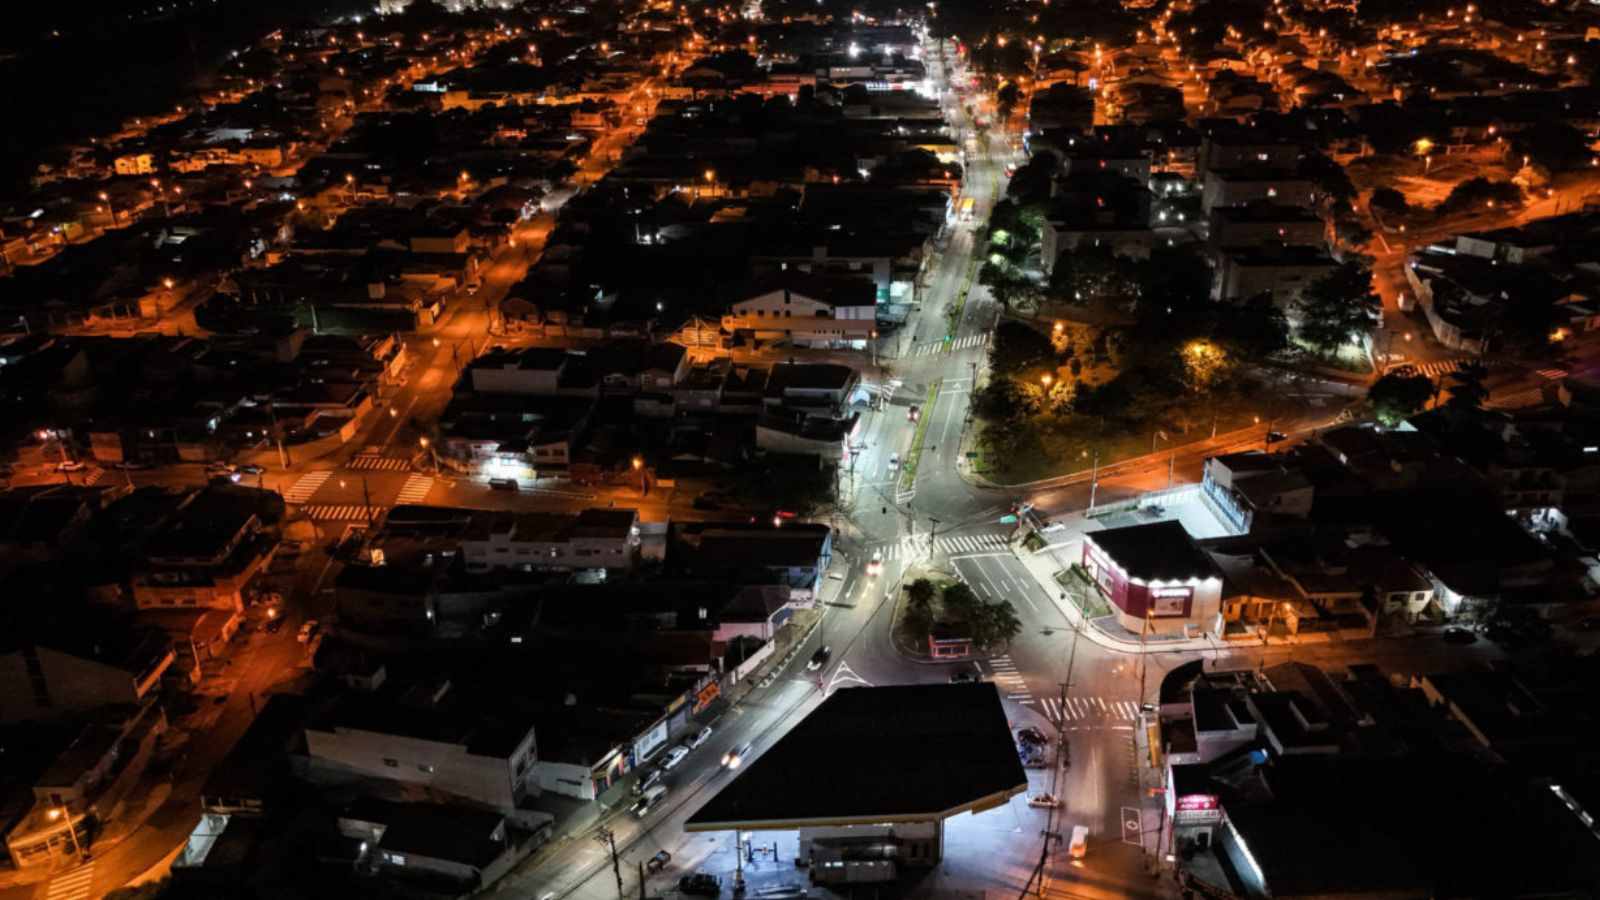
(1157, 579)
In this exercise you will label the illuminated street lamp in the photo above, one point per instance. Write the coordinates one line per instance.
(106, 199)
(433, 451)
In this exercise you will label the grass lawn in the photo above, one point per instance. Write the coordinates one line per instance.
(908, 466)
(1083, 593)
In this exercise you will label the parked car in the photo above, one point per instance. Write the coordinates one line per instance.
(700, 737)
(875, 565)
(308, 631)
(701, 883)
(1043, 801)
(658, 862)
(735, 758)
(819, 658)
(673, 757)
(965, 676)
(504, 484)
(647, 780)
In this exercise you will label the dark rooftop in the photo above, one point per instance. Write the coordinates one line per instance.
(967, 761)
(1158, 550)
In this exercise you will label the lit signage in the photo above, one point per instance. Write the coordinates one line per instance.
(1195, 802)
(1171, 592)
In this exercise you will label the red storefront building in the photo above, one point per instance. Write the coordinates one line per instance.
(1157, 579)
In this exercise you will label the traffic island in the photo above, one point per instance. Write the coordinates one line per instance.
(938, 619)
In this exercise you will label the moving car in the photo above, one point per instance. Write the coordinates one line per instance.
(647, 780)
(700, 737)
(504, 484)
(894, 462)
(1274, 437)
(819, 658)
(1043, 801)
(1032, 736)
(702, 883)
(252, 469)
(673, 757)
(735, 758)
(875, 565)
(658, 862)
(70, 465)
(1079, 847)
(647, 801)
(965, 676)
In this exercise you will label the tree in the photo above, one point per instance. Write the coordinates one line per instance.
(959, 601)
(993, 624)
(1467, 391)
(919, 604)
(1554, 145)
(1017, 348)
(1005, 100)
(1006, 284)
(1255, 330)
(1329, 177)
(1339, 308)
(1003, 402)
(1387, 201)
(1395, 398)
(1475, 194)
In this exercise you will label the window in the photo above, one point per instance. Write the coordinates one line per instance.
(391, 763)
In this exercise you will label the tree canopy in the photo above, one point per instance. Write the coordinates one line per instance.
(1395, 398)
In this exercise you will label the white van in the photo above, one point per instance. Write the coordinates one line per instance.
(653, 795)
(1080, 842)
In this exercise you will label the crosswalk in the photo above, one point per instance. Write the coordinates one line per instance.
(1432, 369)
(1009, 680)
(93, 475)
(305, 487)
(1552, 374)
(915, 545)
(342, 512)
(1078, 709)
(379, 463)
(77, 884)
(415, 489)
(961, 343)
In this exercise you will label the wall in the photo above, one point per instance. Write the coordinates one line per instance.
(72, 685)
(566, 779)
(486, 779)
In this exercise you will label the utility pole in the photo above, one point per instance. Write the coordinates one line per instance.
(1094, 480)
(277, 434)
(1144, 658)
(933, 531)
(1172, 461)
(366, 499)
(608, 838)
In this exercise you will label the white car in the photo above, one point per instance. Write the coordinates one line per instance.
(700, 737)
(673, 757)
(876, 564)
(894, 462)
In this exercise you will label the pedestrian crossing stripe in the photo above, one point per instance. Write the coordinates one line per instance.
(1553, 374)
(416, 489)
(1433, 369)
(1081, 708)
(93, 475)
(379, 463)
(77, 884)
(961, 343)
(912, 546)
(346, 512)
(306, 487)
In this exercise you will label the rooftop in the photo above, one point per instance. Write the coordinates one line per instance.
(1157, 551)
(967, 761)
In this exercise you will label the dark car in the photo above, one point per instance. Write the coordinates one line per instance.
(658, 862)
(819, 659)
(964, 677)
(1274, 437)
(702, 883)
(1459, 636)
(1032, 736)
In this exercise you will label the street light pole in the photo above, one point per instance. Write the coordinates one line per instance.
(608, 838)
(1094, 480)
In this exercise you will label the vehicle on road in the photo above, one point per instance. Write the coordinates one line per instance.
(735, 758)
(1032, 736)
(1459, 636)
(308, 631)
(914, 413)
(1044, 801)
(648, 801)
(894, 462)
(965, 676)
(658, 862)
(274, 625)
(647, 780)
(702, 883)
(875, 565)
(70, 465)
(219, 468)
(1078, 848)
(673, 757)
(252, 469)
(504, 484)
(819, 658)
(700, 737)
(1274, 437)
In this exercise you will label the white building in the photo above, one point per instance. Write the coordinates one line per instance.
(532, 541)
